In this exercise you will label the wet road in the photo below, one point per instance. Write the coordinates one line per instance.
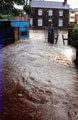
(39, 80)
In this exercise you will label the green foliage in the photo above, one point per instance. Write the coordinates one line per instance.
(7, 6)
(8, 17)
(21, 14)
(27, 9)
(75, 36)
(75, 26)
(15, 12)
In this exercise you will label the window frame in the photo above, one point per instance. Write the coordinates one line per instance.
(40, 24)
(50, 12)
(60, 13)
(71, 17)
(60, 24)
(40, 13)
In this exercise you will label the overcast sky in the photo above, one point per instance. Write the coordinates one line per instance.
(72, 3)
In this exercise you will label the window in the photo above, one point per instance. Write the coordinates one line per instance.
(23, 33)
(40, 12)
(72, 17)
(61, 13)
(60, 22)
(72, 11)
(50, 12)
(40, 22)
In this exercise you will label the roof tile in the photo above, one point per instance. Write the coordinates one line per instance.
(48, 4)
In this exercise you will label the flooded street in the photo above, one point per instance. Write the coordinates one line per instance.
(39, 80)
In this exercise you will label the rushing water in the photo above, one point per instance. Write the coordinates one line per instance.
(39, 80)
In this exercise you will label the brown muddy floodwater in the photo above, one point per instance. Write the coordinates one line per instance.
(39, 80)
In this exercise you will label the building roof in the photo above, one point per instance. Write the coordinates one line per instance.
(74, 10)
(49, 4)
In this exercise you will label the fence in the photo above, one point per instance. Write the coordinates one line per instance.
(7, 33)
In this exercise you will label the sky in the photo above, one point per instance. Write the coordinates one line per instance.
(72, 3)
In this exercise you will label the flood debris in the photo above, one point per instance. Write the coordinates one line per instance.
(62, 59)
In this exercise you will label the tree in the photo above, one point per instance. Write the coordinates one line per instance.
(75, 36)
(7, 6)
(27, 9)
(74, 41)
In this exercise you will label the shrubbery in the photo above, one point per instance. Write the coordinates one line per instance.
(8, 17)
(74, 36)
(74, 41)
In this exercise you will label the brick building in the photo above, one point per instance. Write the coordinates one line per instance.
(49, 13)
(73, 16)
(76, 18)
(22, 18)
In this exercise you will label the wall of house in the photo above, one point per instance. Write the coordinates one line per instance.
(65, 18)
(22, 18)
(76, 18)
(73, 16)
(55, 17)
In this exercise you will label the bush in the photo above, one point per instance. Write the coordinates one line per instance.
(75, 36)
(4, 17)
(75, 42)
(9, 17)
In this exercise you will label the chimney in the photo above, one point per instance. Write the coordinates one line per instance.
(65, 1)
